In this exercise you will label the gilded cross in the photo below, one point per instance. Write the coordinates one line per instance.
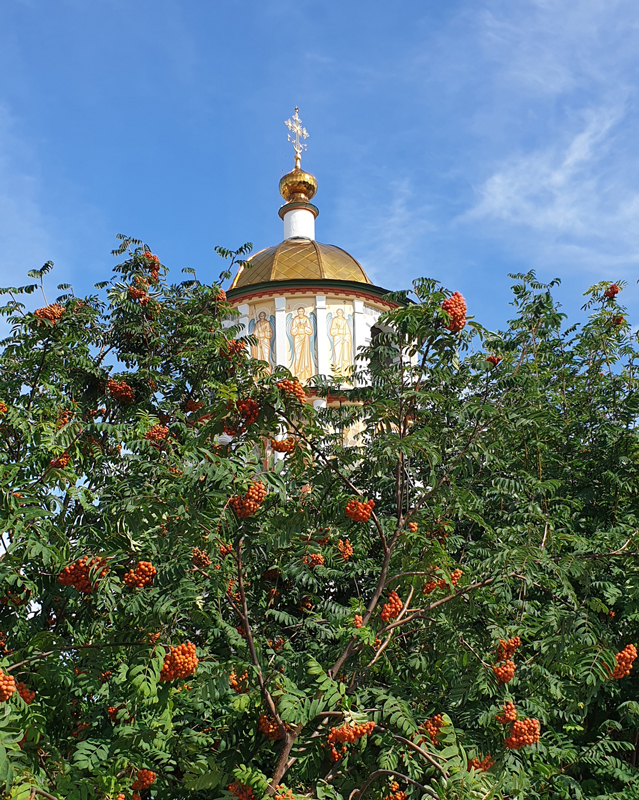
(297, 132)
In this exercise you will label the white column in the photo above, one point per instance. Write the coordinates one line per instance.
(299, 222)
(280, 332)
(323, 365)
(360, 330)
(244, 318)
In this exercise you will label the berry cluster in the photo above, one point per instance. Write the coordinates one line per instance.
(523, 732)
(141, 576)
(433, 584)
(121, 391)
(192, 405)
(269, 728)
(293, 389)
(395, 793)
(412, 527)
(3, 407)
(347, 734)
(138, 295)
(104, 676)
(60, 462)
(455, 305)
(233, 348)
(507, 648)
(494, 360)
(271, 574)
(77, 574)
(624, 662)
(509, 715)
(481, 764)
(225, 550)
(7, 686)
(249, 503)
(248, 409)
(158, 433)
(505, 668)
(358, 511)
(612, 291)
(433, 727)
(391, 609)
(619, 319)
(154, 269)
(283, 793)
(53, 312)
(314, 560)
(505, 671)
(144, 779)
(345, 548)
(179, 662)
(25, 693)
(239, 684)
(200, 558)
(241, 791)
(284, 446)
(358, 620)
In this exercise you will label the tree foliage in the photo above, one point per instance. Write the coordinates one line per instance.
(223, 628)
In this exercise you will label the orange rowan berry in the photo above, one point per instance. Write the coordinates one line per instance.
(157, 434)
(241, 791)
(104, 676)
(192, 405)
(315, 560)
(358, 620)
(358, 511)
(412, 527)
(395, 793)
(391, 609)
(7, 686)
(507, 647)
(345, 548)
(141, 576)
(25, 693)
(433, 727)
(144, 779)
(293, 389)
(494, 360)
(523, 733)
(3, 408)
(625, 661)
(284, 794)
(52, 312)
(200, 558)
(60, 462)
(232, 348)
(269, 728)
(179, 662)
(455, 305)
(121, 391)
(505, 672)
(248, 504)
(509, 715)
(239, 683)
(347, 734)
(77, 574)
(283, 446)
(138, 295)
(481, 764)
(249, 410)
(612, 291)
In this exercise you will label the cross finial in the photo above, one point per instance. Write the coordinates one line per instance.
(297, 132)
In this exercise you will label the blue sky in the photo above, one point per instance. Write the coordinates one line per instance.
(460, 140)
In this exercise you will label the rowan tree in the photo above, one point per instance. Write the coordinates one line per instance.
(198, 605)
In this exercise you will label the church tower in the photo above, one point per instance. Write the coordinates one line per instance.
(310, 305)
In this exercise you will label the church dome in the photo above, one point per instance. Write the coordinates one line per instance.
(300, 259)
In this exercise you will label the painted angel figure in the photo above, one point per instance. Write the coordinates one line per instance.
(301, 331)
(263, 332)
(342, 343)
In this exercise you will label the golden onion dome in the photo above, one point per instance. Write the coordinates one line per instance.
(300, 259)
(298, 186)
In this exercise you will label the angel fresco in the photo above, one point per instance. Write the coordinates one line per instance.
(342, 342)
(262, 329)
(301, 331)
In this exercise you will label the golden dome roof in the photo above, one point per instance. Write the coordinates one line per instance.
(300, 259)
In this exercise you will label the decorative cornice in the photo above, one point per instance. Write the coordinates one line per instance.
(363, 291)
